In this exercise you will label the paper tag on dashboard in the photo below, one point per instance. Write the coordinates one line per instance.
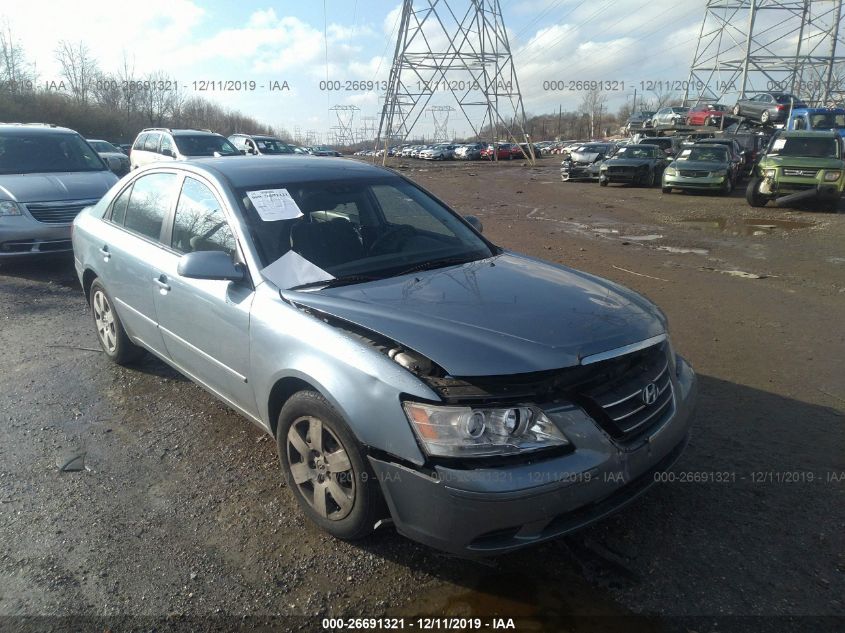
(274, 204)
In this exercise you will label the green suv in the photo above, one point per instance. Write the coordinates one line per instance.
(799, 167)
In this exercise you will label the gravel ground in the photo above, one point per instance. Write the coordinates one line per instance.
(180, 519)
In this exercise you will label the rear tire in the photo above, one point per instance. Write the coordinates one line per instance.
(752, 195)
(764, 117)
(110, 333)
(736, 110)
(326, 469)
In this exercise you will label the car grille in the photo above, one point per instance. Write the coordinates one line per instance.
(694, 173)
(620, 404)
(58, 212)
(804, 173)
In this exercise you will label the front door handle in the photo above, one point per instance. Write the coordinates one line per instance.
(161, 281)
(105, 252)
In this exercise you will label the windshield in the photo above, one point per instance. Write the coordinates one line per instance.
(272, 146)
(827, 121)
(102, 146)
(204, 145)
(373, 228)
(23, 153)
(805, 146)
(637, 152)
(712, 153)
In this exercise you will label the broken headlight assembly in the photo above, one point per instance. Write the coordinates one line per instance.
(463, 431)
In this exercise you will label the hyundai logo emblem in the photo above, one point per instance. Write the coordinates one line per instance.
(649, 393)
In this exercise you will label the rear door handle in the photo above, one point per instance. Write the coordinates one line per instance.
(161, 281)
(105, 252)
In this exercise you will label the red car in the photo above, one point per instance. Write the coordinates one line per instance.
(706, 114)
(504, 151)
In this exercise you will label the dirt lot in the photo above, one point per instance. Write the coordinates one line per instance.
(180, 513)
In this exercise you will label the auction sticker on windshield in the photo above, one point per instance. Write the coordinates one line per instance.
(274, 204)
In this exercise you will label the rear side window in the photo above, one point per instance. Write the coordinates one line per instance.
(200, 224)
(151, 144)
(118, 207)
(139, 142)
(150, 201)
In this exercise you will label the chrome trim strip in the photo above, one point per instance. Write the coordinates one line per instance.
(197, 350)
(625, 349)
(669, 401)
(638, 391)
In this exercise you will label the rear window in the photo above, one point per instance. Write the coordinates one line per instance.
(205, 145)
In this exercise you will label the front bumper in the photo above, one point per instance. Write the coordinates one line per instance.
(485, 511)
(693, 182)
(809, 189)
(21, 236)
(579, 172)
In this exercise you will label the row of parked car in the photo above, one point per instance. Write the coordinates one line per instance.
(459, 151)
(788, 166)
(49, 173)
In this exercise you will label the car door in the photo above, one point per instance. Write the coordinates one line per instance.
(205, 322)
(131, 246)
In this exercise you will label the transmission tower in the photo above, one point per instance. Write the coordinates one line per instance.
(440, 116)
(748, 46)
(368, 129)
(344, 132)
(457, 49)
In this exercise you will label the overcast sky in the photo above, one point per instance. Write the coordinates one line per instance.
(629, 41)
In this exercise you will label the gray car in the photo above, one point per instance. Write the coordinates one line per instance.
(47, 175)
(408, 368)
(117, 161)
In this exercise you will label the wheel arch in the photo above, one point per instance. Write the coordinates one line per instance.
(282, 391)
(88, 278)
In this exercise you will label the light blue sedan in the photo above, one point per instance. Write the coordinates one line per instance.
(408, 368)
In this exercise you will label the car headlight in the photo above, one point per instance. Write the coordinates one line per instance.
(461, 431)
(8, 207)
(770, 173)
(670, 171)
(831, 176)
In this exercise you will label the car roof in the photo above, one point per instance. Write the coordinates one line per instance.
(34, 128)
(807, 134)
(256, 171)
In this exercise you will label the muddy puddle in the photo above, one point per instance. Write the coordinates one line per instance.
(747, 226)
(560, 602)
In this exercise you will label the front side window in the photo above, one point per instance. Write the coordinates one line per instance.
(46, 152)
(373, 228)
(149, 203)
(140, 141)
(166, 144)
(199, 223)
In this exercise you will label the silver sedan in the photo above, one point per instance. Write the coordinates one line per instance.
(408, 368)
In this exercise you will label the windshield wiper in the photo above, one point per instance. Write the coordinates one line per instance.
(337, 281)
(437, 263)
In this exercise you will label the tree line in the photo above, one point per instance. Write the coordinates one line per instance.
(111, 105)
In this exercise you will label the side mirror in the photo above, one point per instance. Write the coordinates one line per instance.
(168, 152)
(210, 265)
(243, 152)
(474, 222)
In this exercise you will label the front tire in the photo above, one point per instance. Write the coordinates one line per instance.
(752, 195)
(325, 468)
(602, 183)
(727, 186)
(110, 333)
(667, 189)
(764, 117)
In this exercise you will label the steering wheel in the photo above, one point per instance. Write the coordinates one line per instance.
(393, 239)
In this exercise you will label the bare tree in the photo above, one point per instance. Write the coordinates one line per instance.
(15, 74)
(79, 69)
(158, 97)
(592, 105)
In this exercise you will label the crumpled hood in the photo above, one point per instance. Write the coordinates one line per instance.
(584, 157)
(507, 314)
(801, 161)
(52, 187)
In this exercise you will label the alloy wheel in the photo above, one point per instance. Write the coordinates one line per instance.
(321, 468)
(104, 318)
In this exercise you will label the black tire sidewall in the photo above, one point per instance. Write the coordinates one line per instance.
(368, 501)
